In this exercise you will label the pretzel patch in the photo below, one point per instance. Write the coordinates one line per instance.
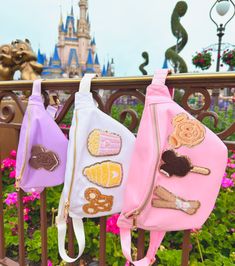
(97, 201)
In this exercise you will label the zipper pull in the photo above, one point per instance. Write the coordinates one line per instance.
(134, 224)
(17, 183)
(133, 215)
(66, 209)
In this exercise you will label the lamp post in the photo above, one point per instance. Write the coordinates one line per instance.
(222, 8)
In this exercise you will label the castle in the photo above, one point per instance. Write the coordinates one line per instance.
(75, 52)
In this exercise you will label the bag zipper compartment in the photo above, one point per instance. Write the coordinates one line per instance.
(67, 202)
(135, 213)
(19, 177)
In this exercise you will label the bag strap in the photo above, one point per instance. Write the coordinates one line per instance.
(159, 78)
(37, 87)
(78, 228)
(85, 83)
(156, 238)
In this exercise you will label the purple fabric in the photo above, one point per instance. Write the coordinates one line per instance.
(40, 129)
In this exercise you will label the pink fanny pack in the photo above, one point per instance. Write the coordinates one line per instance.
(175, 172)
(42, 150)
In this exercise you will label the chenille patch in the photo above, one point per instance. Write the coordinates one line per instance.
(43, 158)
(187, 132)
(106, 174)
(103, 143)
(97, 201)
(178, 165)
(166, 199)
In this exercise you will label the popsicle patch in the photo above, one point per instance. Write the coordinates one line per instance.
(187, 132)
(43, 158)
(103, 143)
(174, 164)
(166, 199)
(106, 174)
(97, 201)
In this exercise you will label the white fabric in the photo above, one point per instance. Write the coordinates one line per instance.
(85, 83)
(86, 118)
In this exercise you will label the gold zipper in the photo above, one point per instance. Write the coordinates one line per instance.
(67, 202)
(19, 177)
(134, 214)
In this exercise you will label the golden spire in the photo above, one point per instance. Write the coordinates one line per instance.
(61, 17)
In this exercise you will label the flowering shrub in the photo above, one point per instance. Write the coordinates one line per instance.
(202, 60)
(213, 242)
(228, 57)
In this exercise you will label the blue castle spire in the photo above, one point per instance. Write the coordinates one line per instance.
(165, 65)
(97, 60)
(40, 57)
(93, 42)
(104, 73)
(89, 63)
(71, 13)
(56, 58)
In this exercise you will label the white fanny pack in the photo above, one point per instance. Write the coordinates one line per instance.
(98, 157)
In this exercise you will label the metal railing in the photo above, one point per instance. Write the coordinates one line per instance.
(117, 87)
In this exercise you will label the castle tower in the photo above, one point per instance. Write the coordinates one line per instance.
(75, 52)
(83, 33)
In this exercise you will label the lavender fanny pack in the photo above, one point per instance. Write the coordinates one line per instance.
(42, 149)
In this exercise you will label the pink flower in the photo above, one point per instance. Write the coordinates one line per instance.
(12, 174)
(26, 217)
(32, 197)
(13, 154)
(8, 162)
(26, 214)
(227, 182)
(127, 263)
(231, 165)
(11, 199)
(35, 195)
(26, 199)
(49, 263)
(112, 225)
(233, 176)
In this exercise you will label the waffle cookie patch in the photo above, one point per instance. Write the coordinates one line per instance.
(42, 158)
(103, 143)
(97, 201)
(187, 132)
(105, 174)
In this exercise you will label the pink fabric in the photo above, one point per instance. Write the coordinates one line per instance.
(210, 153)
(40, 129)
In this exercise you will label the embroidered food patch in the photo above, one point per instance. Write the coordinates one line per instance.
(187, 132)
(175, 164)
(97, 202)
(106, 174)
(103, 143)
(168, 200)
(42, 158)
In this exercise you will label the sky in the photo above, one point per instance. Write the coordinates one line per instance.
(123, 29)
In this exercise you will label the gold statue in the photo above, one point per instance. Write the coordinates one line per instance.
(26, 60)
(7, 66)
